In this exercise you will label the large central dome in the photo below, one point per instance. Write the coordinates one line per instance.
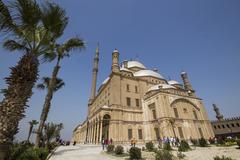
(131, 64)
(146, 73)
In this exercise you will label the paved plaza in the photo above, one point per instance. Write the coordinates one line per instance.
(79, 152)
(94, 152)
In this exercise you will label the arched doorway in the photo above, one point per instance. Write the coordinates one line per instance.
(105, 126)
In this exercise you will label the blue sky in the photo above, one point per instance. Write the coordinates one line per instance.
(201, 37)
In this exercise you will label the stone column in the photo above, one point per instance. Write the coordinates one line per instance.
(100, 135)
(90, 135)
(93, 135)
(97, 132)
(91, 132)
(94, 132)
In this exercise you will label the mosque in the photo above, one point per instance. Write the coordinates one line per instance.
(137, 102)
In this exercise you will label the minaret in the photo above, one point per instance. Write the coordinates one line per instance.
(219, 116)
(94, 75)
(115, 61)
(187, 84)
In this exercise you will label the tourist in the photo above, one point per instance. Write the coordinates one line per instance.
(103, 143)
(134, 142)
(131, 142)
(215, 140)
(177, 141)
(171, 141)
(174, 141)
(111, 141)
(159, 142)
(106, 142)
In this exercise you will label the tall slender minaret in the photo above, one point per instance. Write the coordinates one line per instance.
(115, 61)
(94, 75)
(187, 84)
(219, 116)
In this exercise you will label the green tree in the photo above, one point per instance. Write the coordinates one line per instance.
(61, 51)
(32, 30)
(51, 131)
(31, 123)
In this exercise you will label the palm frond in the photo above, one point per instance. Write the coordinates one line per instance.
(6, 21)
(33, 122)
(59, 84)
(74, 43)
(28, 13)
(54, 19)
(46, 82)
(13, 45)
(48, 56)
(40, 86)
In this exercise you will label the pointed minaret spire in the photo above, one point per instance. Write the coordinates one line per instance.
(94, 75)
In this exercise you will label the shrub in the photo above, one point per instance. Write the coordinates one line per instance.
(183, 146)
(135, 153)
(34, 154)
(211, 141)
(51, 146)
(119, 150)
(231, 140)
(238, 143)
(202, 142)
(220, 141)
(149, 146)
(194, 142)
(222, 158)
(27, 152)
(167, 146)
(180, 155)
(163, 155)
(110, 148)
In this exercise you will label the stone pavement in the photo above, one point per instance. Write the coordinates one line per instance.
(79, 152)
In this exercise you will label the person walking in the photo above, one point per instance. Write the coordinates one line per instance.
(103, 144)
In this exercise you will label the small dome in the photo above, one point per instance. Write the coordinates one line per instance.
(131, 64)
(173, 82)
(158, 86)
(105, 107)
(146, 73)
(124, 69)
(183, 72)
(105, 81)
(115, 51)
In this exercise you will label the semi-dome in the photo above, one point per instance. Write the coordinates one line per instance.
(173, 82)
(105, 81)
(146, 73)
(131, 64)
(158, 86)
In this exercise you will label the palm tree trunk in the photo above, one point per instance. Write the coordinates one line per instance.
(47, 102)
(20, 83)
(30, 132)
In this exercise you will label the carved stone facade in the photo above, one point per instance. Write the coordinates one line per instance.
(135, 102)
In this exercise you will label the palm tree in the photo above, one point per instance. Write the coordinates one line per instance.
(51, 131)
(31, 123)
(62, 51)
(33, 30)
